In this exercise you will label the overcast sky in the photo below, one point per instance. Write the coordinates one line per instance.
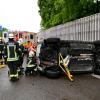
(20, 15)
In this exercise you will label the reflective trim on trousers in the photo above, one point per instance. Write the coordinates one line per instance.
(11, 75)
(30, 65)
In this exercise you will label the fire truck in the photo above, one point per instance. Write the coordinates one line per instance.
(26, 38)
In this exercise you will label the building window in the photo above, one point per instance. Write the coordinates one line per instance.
(31, 36)
(25, 37)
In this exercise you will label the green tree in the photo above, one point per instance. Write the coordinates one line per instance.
(55, 12)
(3, 30)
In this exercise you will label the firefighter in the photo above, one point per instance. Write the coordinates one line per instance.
(1, 53)
(29, 44)
(31, 63)
(11, 52)
(20, 60)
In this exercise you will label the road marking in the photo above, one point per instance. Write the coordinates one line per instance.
(97, 76)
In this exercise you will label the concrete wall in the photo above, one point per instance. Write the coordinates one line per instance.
(85, 29)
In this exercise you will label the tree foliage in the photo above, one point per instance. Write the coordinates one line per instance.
(55, 12)
(3, 30)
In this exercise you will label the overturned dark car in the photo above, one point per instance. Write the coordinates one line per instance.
(81, 56)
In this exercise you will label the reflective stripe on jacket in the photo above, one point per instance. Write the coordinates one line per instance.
(30, 63)
(11, 55)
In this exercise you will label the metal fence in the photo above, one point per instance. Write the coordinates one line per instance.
(85, 29)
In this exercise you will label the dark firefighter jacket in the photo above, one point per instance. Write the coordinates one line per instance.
(11, 51)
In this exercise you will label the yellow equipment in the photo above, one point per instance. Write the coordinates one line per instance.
(64, 66)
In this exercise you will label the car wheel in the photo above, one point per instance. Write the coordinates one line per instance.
(52, 73)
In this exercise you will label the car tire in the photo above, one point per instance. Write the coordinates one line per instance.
(52, 72)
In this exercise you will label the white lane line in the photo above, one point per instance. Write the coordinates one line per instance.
(96, 76)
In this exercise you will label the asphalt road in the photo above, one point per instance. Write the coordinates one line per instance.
(85, 87)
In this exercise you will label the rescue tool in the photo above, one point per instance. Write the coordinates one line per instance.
(63, 64)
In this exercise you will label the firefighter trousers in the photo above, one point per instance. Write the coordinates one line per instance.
(12, 67)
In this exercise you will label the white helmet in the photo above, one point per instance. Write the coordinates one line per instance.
(11, 36)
